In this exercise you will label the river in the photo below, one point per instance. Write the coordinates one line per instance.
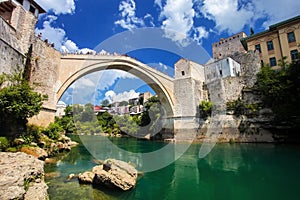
(229, 171)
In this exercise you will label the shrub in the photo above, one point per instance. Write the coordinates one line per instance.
(205, 108)
(53, 131)
(4, 143)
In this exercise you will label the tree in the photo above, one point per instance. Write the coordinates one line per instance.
(205, 108)
(105, 103)
(18, 102)
(281, 91)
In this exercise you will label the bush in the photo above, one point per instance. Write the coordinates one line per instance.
(205, 108)
(4, 143)
(53, 131)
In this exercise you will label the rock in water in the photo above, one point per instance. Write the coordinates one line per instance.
(115, 173)
(86, 177)
(21, 177)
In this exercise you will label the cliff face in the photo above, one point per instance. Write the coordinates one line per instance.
(21, 177)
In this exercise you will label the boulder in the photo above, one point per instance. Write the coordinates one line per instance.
(36, 152)
(86, 177)
(115, 173)
(21, 177)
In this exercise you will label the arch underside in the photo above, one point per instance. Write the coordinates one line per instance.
(159, 88)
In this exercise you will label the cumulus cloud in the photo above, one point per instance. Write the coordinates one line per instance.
(275, 10)
(128, 18)
(58, 37)
(58, 6)
(178, 16)
(52, 34)
(109, 77)
(200, 33)
(228, 15)
(124, 96)
(233, 15)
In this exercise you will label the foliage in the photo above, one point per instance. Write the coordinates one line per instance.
(239, 107)
(88, 113)
(105, 103)
(4, 143)
(18, 101)
(205, 108)
(66, 121)
(106, 122)
(53, 131)
(281, 91)
(31, 134)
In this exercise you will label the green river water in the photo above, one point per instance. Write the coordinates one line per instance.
(229, 171)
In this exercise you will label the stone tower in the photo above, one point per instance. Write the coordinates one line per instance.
(188, 91)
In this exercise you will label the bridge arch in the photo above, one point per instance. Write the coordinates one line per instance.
(74, 67)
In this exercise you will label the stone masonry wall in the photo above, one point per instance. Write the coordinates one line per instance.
(45, 61)
(10, 51)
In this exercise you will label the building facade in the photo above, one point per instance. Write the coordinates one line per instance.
(279, 41)
(223, 68)
(228, 46)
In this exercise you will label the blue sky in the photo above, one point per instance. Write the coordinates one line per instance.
(74, 25)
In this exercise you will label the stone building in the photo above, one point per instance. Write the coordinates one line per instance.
(228, 46)
(222, 69)
(279, 41)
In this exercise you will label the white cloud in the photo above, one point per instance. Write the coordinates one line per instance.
(124, 96)
(200, 33)
(163, 66)
(275, 10)
(109, 77)
(233, 15)
(148, 18)
(52, 34)
(58, 37)
(228, 15)
(58, 6)
(158, 3)
(128, 18)
(70, 45)
(178, 20)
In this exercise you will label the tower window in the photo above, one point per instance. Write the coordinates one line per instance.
(32, 9)
(182, 73)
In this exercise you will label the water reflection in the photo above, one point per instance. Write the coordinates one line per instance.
(238, 171)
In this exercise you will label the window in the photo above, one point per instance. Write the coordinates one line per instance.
(20, 2)
(294, 55)
(291, 37)
(257, 47)
(182, 73)
(32, 9)
(273, 61)
(270, 45)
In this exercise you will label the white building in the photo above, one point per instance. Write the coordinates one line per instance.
(226, 67)
(60, 109)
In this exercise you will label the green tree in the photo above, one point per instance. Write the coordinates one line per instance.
(88, 113)
(18, 102)
(105, 103)
(281, 91)
(205, 108)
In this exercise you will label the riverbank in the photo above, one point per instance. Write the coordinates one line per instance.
(22, 177)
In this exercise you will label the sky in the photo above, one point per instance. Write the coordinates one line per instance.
(159, 32)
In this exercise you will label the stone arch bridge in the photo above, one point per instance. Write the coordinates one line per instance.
(180, 96)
